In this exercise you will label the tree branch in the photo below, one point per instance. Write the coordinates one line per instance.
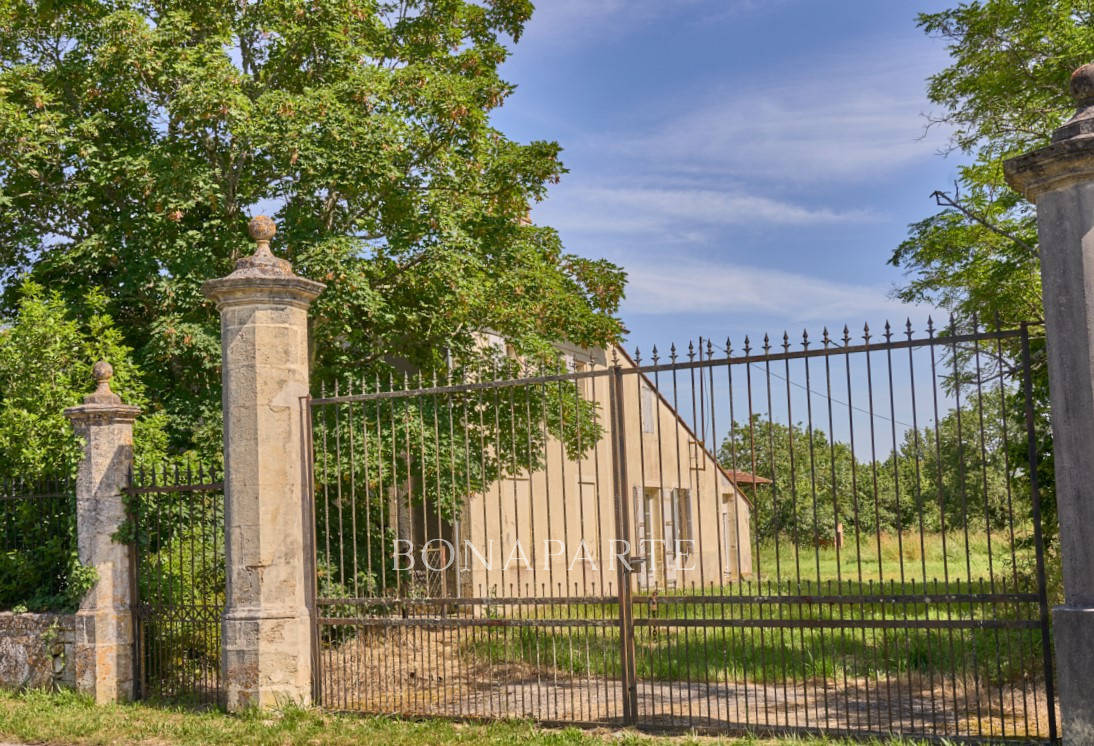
(942, 199)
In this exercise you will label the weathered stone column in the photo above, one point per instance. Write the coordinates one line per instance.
(104, 623)
(267, 642)
(1059, 179)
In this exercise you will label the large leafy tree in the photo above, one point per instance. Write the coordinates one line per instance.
(1003, 93)
(136, 136)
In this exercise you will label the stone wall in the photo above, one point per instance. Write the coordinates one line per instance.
(36, 650)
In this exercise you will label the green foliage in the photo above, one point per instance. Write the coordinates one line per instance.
(1003, 93)
(79, 581)
(46, 358)
(786, 507)
(37, 553)
(136, 136)
(181, 583)
(413, 459)
(959, 473)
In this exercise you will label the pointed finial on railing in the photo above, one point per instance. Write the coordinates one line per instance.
(826, 338)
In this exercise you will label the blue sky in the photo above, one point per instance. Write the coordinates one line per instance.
(751, 163)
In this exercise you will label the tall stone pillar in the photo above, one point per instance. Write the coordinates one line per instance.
(1059, 179)
(267, 641)
(104, 623)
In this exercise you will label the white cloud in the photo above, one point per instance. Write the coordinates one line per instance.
(576, 20)
(628, 210)
(706, 287)
(849, 117)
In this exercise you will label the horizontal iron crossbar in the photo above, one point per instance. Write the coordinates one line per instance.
(678, 365)
(830, 599)
(447, 623)
(168, 488)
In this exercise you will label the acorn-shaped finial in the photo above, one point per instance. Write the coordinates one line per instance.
(101, 373)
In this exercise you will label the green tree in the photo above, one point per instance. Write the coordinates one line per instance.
(136, 136)
(1003, 93)
(46, 357)
(815, 483)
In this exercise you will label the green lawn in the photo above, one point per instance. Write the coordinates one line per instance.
(927, 556)
(69, 719)
(997, 656)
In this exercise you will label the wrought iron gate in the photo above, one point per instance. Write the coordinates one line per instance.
(839, 536)
(177, 524)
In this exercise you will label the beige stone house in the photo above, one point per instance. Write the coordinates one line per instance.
(554, 531)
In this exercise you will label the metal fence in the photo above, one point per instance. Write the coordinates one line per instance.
(178, 515)
(37, 542)
(838, 535)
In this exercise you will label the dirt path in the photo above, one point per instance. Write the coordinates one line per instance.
(430, 672)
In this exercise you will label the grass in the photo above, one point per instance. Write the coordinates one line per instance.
(773, 655)
(901, 558)
(67, 718)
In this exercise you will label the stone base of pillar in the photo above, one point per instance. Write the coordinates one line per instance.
(1073, 633)
(104, 654)
(267, 658)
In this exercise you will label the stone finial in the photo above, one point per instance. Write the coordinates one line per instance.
(1069, 158)
(262, 263)
(261, 229)
(102, 372)
(1082, 84)
(1082, 90)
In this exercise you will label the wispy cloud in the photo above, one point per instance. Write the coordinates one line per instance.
(708, 287)
(848, 117)
(579, 20)
(628, 210)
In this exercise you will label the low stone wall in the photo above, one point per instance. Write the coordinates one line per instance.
(36, 650)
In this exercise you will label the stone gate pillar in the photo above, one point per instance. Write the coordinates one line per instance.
(267, 642)
(104, 623)
(1059, 179)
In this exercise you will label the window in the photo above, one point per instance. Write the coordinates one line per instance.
(648, 409)
(729, 531)
(683, 527)
(584, 385)
(698, 456)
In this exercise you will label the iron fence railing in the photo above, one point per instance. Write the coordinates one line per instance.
(178, 519)
(839, 535)
(37, 544)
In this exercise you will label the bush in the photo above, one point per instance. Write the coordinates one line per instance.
(46, 358)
